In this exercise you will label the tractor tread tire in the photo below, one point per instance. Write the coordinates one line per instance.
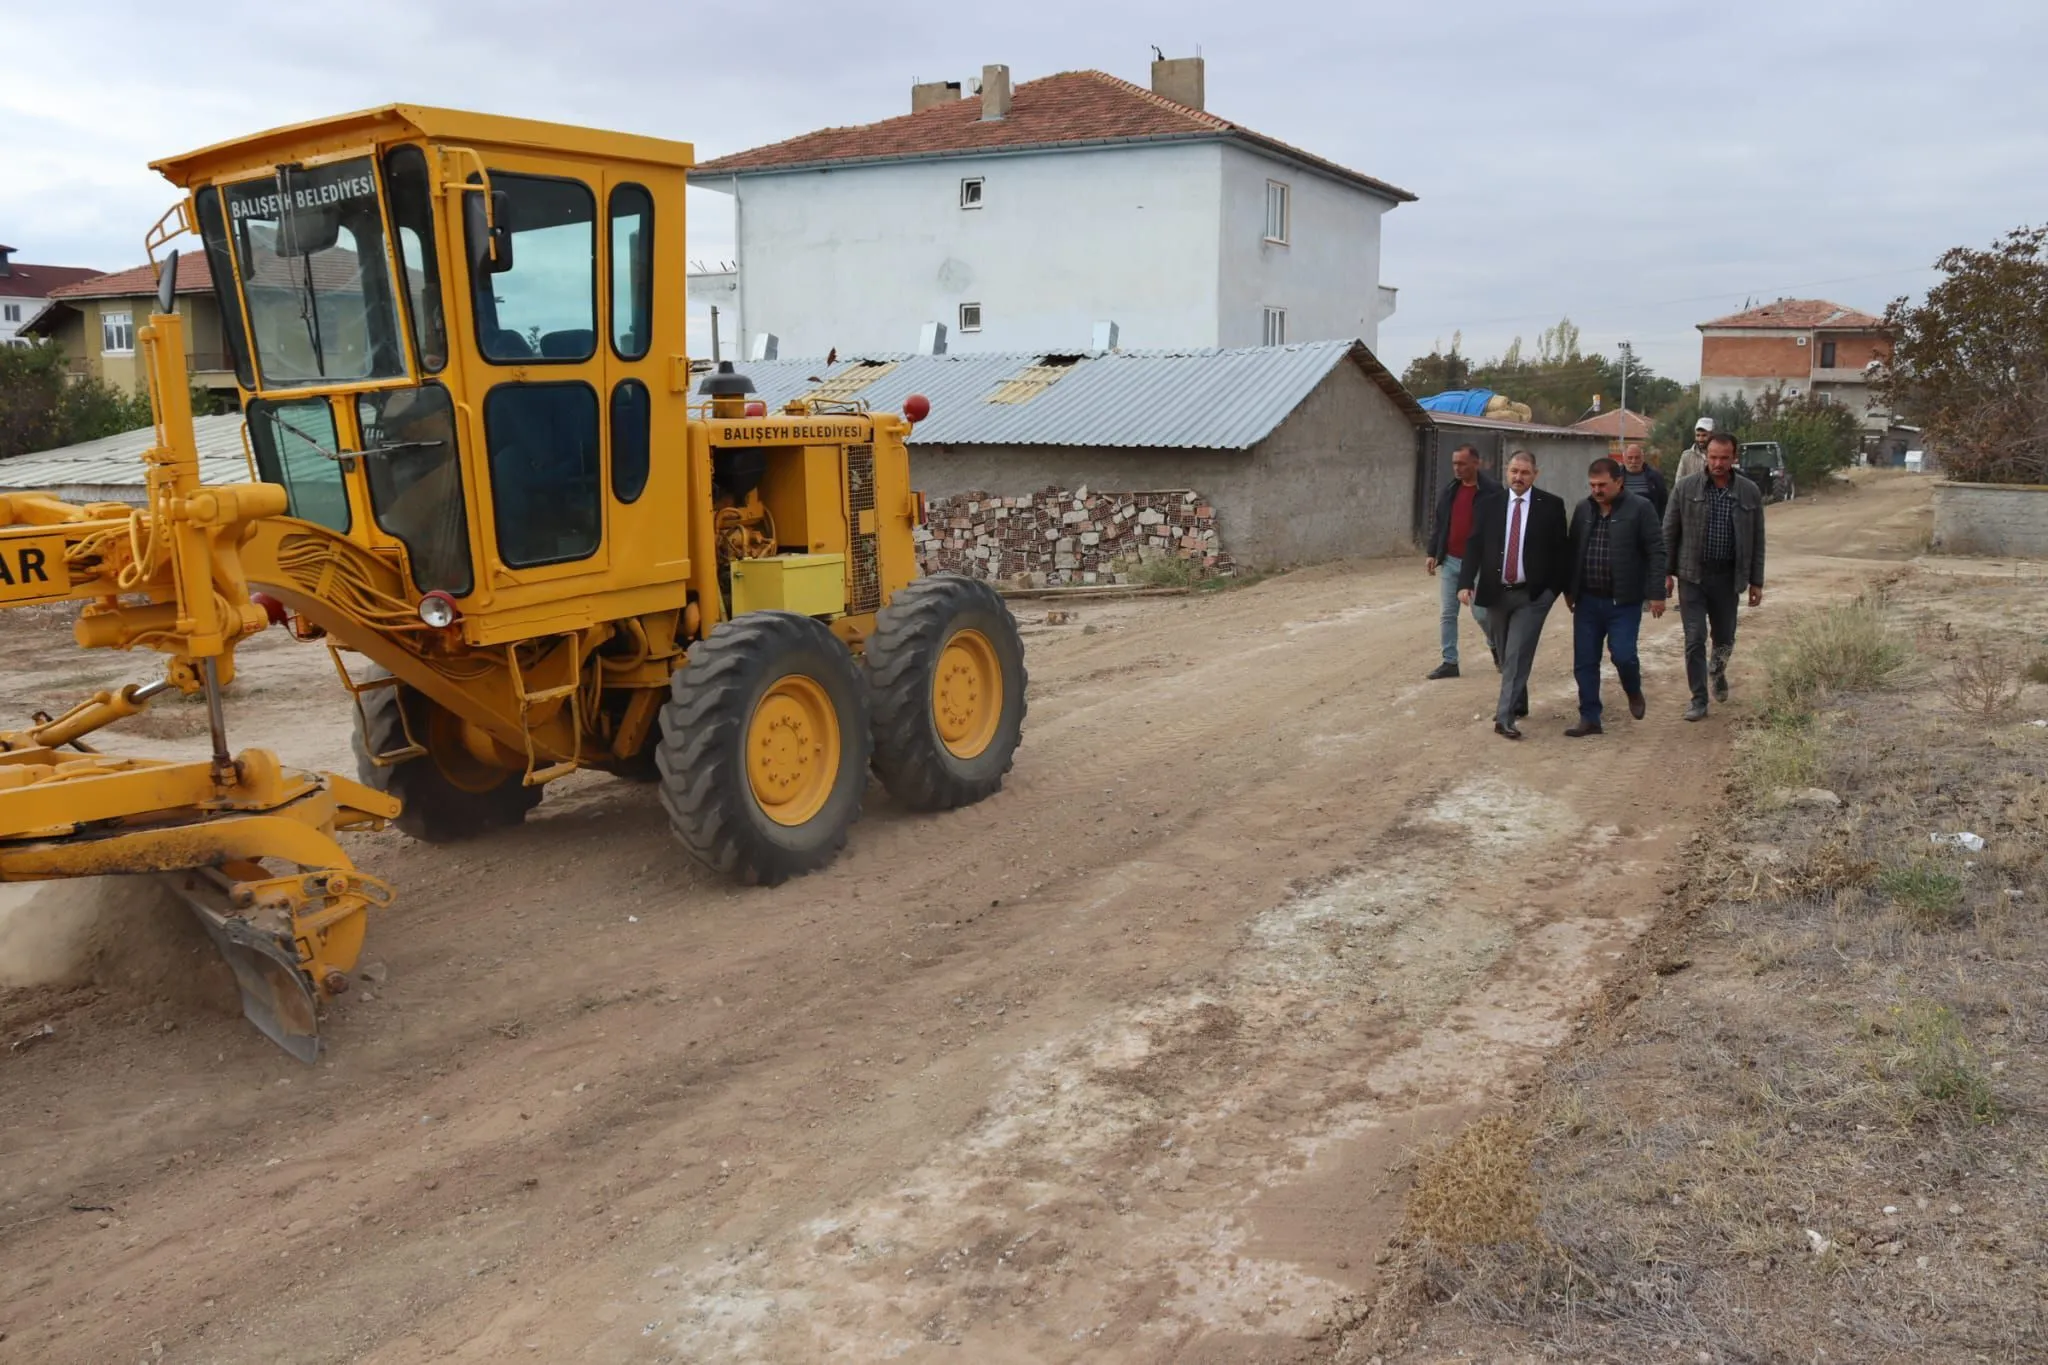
(702, 751)
(901, 656)
(435, 810)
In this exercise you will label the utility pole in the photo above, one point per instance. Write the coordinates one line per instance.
(1621, 418)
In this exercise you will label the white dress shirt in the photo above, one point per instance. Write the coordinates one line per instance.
(1518, 511)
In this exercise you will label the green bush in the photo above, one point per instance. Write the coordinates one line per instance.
(42, 409)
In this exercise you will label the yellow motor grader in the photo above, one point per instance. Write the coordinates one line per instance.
(480, 477)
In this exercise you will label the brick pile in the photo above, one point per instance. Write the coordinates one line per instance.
(1058, 537)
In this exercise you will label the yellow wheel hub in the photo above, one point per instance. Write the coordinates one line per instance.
(793, 750)
(967, 694)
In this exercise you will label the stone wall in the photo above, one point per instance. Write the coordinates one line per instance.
(1997, 520)
(1059, 537)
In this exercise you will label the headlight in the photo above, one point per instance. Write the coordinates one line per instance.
(437, 609)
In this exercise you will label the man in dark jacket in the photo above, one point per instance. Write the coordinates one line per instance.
(1516, 564)
(1617, 565)
(1453, 525)
(1713, 545)
(1644, 479)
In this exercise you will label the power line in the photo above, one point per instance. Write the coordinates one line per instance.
(1705, 298)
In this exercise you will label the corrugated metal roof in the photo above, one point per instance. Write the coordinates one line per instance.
(1190, 400)
(116, 461)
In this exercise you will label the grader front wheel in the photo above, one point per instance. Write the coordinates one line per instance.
(946, 678)
(764, 747)
(448, 794)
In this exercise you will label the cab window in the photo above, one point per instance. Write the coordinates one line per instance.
(410, 197)
(545, 490)
(631, 210)
(416, 482)
(543, 306)
(295, 447)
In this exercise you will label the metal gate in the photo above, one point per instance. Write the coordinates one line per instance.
(1433, 447)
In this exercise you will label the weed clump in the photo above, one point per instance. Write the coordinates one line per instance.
(1928, 895)
(1940, 1066)
(1842, 648)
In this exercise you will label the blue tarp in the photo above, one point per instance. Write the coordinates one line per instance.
(1462, 402)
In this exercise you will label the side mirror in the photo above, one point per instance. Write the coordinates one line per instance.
(501, 231)
(167, 285)
(488, 235)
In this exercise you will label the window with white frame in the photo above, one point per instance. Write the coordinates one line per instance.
(1275, 331)
(1278, 211)
(970, 192)
(970, 317)
(11, 313)
(117, 333)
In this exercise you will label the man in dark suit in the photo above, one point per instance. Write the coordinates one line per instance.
(1517, 562)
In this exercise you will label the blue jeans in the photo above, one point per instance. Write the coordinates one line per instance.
(1447, 608)
(1598, 621)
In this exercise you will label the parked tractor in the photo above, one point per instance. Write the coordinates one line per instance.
(480, 478)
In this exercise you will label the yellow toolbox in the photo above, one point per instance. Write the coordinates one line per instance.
(809, 585)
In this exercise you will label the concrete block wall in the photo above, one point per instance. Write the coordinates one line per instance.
(1998, 520)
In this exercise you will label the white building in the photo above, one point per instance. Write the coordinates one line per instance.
(25, 289)
(1018, 220)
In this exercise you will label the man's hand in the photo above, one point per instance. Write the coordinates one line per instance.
(1430, 565)
(1656, 609)
(1670, 584)
(1756, 594)
(1465, 596)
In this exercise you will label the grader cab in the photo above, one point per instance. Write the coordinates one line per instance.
(480, 477)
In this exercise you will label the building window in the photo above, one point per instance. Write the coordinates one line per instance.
(117, 333)
(1275, 332)
(1827, 355)
(1277, 212)
(970, 192)
(970, 317)
(13, 312)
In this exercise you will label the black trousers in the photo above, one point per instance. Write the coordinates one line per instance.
(1707, 608)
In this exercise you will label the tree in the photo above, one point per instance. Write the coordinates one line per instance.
(1816, 437)
(41, 410)
(1438, 372)
(1970, 363)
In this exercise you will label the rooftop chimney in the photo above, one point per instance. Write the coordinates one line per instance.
(995, 92)
(931, 339)
(1178, 79)
(5, 267)
(1105, 334)
(923, 97)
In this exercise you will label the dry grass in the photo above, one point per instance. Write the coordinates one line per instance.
(1475, 1190)
(1985, 682)
(1827, 1137)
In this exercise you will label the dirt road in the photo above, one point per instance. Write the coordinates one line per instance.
(1112, 1067)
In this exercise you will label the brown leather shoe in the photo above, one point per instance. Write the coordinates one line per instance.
(1584, 728)
(1636, 705)
(1506, 731)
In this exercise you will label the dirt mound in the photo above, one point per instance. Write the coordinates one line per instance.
(128, 935)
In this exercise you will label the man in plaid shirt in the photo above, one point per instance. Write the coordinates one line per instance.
(1617, 567)
(1714, 545)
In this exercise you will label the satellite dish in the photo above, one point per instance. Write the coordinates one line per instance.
(167, 285)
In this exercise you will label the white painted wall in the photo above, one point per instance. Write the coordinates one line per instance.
(1326, 277)
(857, 257)
(1166, 240)
(26, 307)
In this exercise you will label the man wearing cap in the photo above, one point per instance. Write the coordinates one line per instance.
(1694, 460)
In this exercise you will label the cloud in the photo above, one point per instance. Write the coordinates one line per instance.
(1638, 166)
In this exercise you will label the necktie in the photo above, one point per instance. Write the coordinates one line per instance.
(1514, 564)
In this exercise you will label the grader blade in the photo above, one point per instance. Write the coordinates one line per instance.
(277, 995)
(290, 932)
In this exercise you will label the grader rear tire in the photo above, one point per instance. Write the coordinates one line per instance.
(946, 679)
(764, 748)
(448, 794)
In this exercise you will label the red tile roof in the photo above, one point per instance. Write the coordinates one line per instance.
(193, 278)
(1071, 108)
(1636, 428)
(1799, 313)
(26, 281)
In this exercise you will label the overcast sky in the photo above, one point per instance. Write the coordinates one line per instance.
(1640, 167)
